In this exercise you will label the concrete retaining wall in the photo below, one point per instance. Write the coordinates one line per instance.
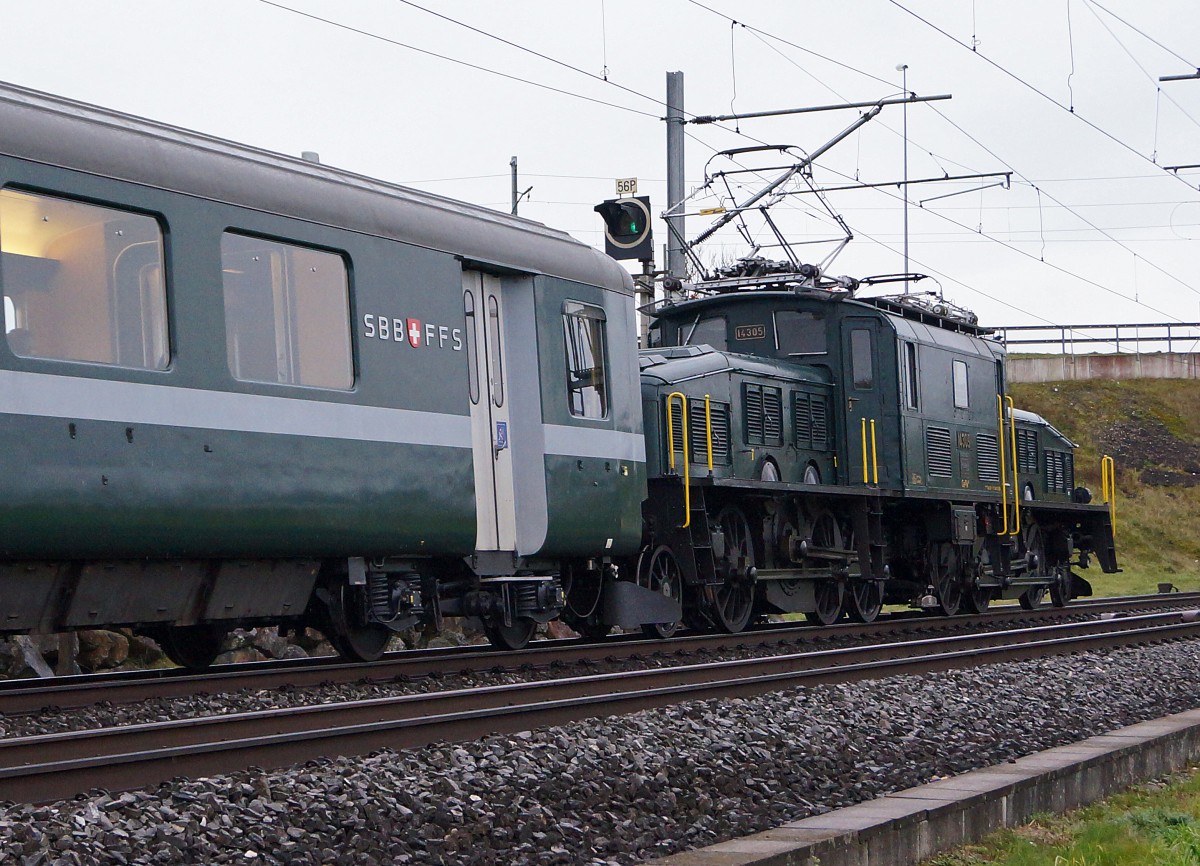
(910, 826)
(1061, 368)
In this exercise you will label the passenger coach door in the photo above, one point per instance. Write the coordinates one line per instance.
(488, 387)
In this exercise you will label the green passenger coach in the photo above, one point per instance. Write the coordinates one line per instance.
(240, 387)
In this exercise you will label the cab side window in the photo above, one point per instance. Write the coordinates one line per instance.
(82, 282)
(584, 331)
(961, 397)
(711, 331)
(860, 359)
(287, 313)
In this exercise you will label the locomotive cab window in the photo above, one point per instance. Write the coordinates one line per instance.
(82, 282)
(711, 331)
(911, 377)
(799, 333)
(860, 359)
(287, 313)
(961, 397)
(586, 343)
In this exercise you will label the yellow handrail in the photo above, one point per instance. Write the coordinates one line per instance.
(687, 482)
(874, 464)
(708, 429)
(866, 478)
(874, 457)
(1108, 483)
(1003, 472)
(1012, 439)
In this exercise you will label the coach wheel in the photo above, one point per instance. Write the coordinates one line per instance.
(812, 475)
(946, 576)
(511, 637)
(769, 471)
(658, 571)
(732, 603)
(348, 631)
(191, 646)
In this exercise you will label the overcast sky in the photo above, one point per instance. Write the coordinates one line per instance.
(354, 88)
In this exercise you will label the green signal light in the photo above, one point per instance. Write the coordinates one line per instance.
(633, 226)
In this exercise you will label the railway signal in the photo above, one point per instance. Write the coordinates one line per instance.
(627, 232)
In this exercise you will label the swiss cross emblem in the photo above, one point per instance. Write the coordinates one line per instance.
(414, 332)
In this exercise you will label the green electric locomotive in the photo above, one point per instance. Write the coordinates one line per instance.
(812, 451)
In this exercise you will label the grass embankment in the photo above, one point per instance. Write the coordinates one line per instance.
(1151, 427)
(1152, 824)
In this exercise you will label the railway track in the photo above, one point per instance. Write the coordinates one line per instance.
(31, 696)
(55, 766)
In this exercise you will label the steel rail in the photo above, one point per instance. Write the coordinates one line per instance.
(138, 755)
(29, 696)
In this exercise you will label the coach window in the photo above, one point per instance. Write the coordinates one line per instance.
(82, 282)
(961, 398)
(860, 359)
(495, 354)
(472, 357)
(587, 347)
(287, 313)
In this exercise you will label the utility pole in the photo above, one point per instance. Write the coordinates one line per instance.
(517, 196)
(676, 258)
(903, 68)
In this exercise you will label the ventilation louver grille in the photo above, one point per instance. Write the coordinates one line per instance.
(810, 421)
(1027, 451)
(820, 424)
(937, 452)
(1060, 471)
(697, 432)
(764, 414)
(718, 414)
(987, 458)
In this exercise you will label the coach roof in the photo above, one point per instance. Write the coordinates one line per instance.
(75, 135)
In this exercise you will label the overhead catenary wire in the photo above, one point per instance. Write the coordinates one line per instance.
(955, 125)
(1082, 218)
(629, 109)
(791, 202)
(1143, 34)
(1146, 72)
(1004, 70)
(1007, 245)
(459, 61)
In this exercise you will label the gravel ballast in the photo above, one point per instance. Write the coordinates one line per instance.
(615, 791)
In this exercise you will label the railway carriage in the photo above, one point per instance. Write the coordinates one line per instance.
(237, 387)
